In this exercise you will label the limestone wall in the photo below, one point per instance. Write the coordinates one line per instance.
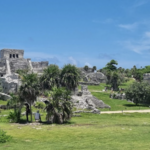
(10, 83)
(97, 77)
(11, 53)
(16, 64)
(39, 66)
(2, 67)
(146, 77)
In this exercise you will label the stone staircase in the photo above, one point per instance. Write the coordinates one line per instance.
(16, 64)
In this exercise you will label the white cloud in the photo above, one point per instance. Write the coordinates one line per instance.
(128, 26)
(72, 61)
(139, 46)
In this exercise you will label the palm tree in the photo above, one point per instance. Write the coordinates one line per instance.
(29, 89)
(59, 108)
(50, 77)
(70, 76)
(86, 68)
(94, 68)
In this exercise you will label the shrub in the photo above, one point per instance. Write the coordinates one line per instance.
(46, 93)
(3, 137)
(14, 116)
(40, 105)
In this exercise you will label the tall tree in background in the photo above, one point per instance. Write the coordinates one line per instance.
(70, 76)
(111, 65)
(114, 79)
(94, 68)
(50, 77)
(86, 68)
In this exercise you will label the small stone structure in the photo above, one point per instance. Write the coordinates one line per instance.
(121, 96)
(87, 101)
(10, 83)
(146, 77)
(92, 78)
(12, 60)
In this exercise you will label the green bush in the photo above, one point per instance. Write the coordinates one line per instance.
(3, 137)
(14, 116)
(46, 93)
(40, 105)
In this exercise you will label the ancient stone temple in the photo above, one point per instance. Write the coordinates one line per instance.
(12, 60)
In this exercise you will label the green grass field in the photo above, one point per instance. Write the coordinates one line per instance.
(117, 104)
(90, 131)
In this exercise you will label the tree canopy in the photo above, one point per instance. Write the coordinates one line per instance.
(111, 65)
(138, 92)
(70, 76)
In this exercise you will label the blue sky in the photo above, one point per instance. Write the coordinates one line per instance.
(80, 32)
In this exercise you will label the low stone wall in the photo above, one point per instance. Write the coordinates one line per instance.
(121, 96)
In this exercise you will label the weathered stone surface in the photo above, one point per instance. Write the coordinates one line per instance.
(84, 71)
(118, 96)
(10, 83)
(4, 96)
(88, 101)
(146, 77)
(99, 103)
(97, 77)
(92, 78)
(11, 53)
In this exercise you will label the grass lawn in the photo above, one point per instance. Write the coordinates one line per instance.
(90, 131)
(3, 102)
(117, 104)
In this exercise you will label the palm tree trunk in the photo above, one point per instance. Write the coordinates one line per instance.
(31, 111)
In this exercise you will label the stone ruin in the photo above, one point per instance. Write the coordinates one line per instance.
(84, 101)
(146, 77)
(92, 78)
(12, 60)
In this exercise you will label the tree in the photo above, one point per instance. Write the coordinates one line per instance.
(29, 89)
(114, 79)
(86, 68)
(94, 68)
(60, 107)
(138, 92)
(50, 77)
(70, 77)
(17, 105)
(111, 65)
